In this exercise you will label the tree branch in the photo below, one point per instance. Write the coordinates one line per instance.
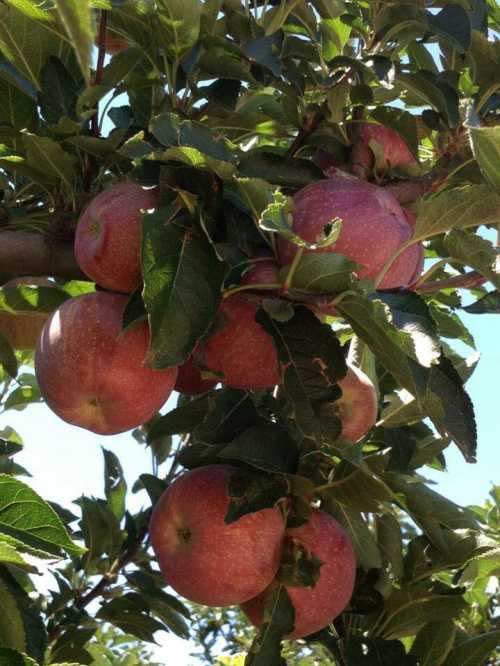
(468, 280)
(101, 45)
(33, 254)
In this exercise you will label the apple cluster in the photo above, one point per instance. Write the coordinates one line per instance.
(94, 373)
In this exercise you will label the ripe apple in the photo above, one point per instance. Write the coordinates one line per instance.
(108, 236)
(240, 349)
(317, 606)
(91, 373)
(374, 226)
(392, 151)
(262, 270)
(357, 407)
(203, 558)
(189, 379)
(23, 328)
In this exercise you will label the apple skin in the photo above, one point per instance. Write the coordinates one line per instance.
(108, 236)
(189, 379)
(262, 270)
(23, 329)
(317, 606)
(91, 373)
(201, 557)
(240, 349)
(374, 227)
(357, 407)
(395, 152)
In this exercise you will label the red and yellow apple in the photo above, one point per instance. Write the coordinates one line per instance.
(92, 373)
(22, 329)
(239, 349)
(108, 236)
(202, 557)
(316, 606)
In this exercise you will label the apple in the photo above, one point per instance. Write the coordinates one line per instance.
(357, 407)
(239, 349)
(262, 270)
(108, 236)
(392, 151)
(202, 557)
(189, 379)
(316, 606)
(373, 227)
(23, 328)
(92, 373)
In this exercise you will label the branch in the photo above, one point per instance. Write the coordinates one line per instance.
(33, 254)
(101, 44)
(468, 280)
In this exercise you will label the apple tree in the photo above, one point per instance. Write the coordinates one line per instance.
(276, 211)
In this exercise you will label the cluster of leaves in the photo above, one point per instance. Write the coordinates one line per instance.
(227, 104)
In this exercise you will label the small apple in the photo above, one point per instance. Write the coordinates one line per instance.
(317, 606)
(373, 227)
(189, 379)
(357, 407)
(92, 373)
(202, 557)
(239, 349)
(108, 236)
(262, 270)
(22, 329)
(378, 148)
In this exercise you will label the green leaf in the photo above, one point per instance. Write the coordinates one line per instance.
(10, 657)
(325, 272)
(474, 651)
(129, 613)
(458, 208)
(250, 492)
(279, 170)
(433, 643)
(47, 156)
(278, 620)
(17, 109)
(182, 419)
(490, 303)
(21, 627)
(59, 92)
(101, 532)
(453, 23)
(390, 544)
(363, 540)
(115, 485)
(486, 148)
(180, 22)
(120, 66)
(428, 89)
(357, 487)
(25, 299)
(182, 280)
(363, 651)
(8, 360)
(476, 252)
(10, 556)
(76, 16)
(27, 517)
(450, 325)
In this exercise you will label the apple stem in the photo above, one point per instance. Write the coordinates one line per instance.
(291, 271)
(263, 286)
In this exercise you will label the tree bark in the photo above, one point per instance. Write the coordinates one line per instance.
(32, 254)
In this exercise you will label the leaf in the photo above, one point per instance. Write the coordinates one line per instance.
(182, 419)
(10, 657)
(101, 532)
(278, 170)
(76, 16)
(268, 447)
(452, 22)
(486, 148)
(182, 280)
(323, 273)
(476, 252)
(363, 651)
(47, 156)
(17, 109)
(278, 620)
(26, 299)
(27, 517)
(490, 303)
(180, 21)
(21, 627)
(10, 556)
(450, 325)
(457, 208)
(433, 642)
(8, 360)
(115, 485)
(363, 541)
(474, 651)
(428, 89)
(59, 91)
(390, 543)
(250, 491)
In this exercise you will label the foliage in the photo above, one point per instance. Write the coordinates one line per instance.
(229, 106)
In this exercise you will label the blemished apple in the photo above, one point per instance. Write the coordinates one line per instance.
(357, 407)
(392, 149)
(190, 381)
(239, 349)
(22, 329)
(108, 236)
(92, 373)
(317, 606)
(204, 559)
(373, 228)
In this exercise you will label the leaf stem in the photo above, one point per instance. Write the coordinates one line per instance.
(291, 271)
(263, 286)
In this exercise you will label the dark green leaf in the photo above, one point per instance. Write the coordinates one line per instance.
(101, 532)
(279, 170)
(8, 359)
(76, 17)
(474, 651)
(377, 652)
(490, 303)
(180, 23)
(59, 92)
(433, 642)
(278, 620)
(476, 252)
(453, 23)
(10, 657)
(115, 485)
(250, 492)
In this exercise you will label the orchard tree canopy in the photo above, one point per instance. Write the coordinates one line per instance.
(278, 209)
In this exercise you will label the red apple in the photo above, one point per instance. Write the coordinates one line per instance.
(262, 270)
(189, 379)
(22, 329)
(114, 43)
(203, 558)
(374, 226)
(240, 349)
(357, 407)
(108, 236)
(91, 373)
(317, 606)
(391, 149)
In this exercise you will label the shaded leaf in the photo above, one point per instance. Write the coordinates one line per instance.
(433, 642)
(76, 16)
(278, 620)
